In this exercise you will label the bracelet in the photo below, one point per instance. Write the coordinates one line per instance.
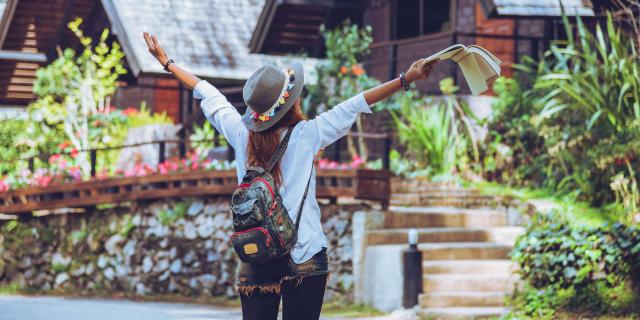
(403, 81)
(166, 65)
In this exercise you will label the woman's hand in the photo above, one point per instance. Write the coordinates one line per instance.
(185, 77)
(419, 70)
(154, 48)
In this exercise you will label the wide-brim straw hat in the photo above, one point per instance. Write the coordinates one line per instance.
(269, 93)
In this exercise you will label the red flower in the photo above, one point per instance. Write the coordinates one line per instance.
(74, 153)
(343, 70)
(357, 70)
(64, 145)
(130, 111)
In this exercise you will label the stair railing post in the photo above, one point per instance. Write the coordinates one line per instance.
(93, 159)
(161, 151)
(412, 266)
(386, 156)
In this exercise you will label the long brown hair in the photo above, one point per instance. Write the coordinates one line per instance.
(262, 145)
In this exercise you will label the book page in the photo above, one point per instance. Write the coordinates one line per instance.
(446, 53)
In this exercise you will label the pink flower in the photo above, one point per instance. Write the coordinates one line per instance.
(62, 163)
(54, 158)
(3, 186)
(44, 181)
(163, 168)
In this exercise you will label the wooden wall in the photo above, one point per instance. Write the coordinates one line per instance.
(509, 39)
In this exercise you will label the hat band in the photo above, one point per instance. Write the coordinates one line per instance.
(282, 98)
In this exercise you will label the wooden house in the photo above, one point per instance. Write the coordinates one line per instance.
(406, 30)
(210, 38)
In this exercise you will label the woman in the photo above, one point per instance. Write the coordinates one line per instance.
(273, 100)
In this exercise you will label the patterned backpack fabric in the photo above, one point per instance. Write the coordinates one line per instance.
(263, 230)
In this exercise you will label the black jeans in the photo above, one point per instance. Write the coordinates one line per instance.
(301, 300)
(301, 287)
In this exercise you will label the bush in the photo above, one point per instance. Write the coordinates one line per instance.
(588, 270)
(578, 126)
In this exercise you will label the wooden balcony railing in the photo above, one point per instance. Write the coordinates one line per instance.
(354, 183)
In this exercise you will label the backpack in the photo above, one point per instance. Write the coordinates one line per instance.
(263, 230)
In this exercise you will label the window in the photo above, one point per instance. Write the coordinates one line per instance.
(420, 17)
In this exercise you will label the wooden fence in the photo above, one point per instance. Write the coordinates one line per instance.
(354, 183)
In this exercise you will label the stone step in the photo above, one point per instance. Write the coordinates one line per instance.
(506, 235)
(464, 251)
(460, 313)
(469, 282)
(432, 217)
(462, 299)
(476, 267)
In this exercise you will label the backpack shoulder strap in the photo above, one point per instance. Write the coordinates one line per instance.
(282, 146)
(304, 197)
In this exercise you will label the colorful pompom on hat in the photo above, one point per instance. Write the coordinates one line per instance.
(269, 93)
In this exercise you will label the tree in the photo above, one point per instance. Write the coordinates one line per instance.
(73, 88)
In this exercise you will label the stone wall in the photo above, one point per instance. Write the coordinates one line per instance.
(179, 247)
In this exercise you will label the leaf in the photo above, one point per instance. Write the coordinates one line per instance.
(570, 272)
(594, 118)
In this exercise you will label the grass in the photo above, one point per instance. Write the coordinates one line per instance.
(578, 213)
(336, 309)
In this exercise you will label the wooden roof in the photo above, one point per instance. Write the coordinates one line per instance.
(208, 37)
(29, 32)
(286, 26)
(537, 8)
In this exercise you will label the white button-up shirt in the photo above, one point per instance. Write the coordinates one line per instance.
(307, 138)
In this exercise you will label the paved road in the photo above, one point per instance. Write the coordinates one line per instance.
(55, 308)
(58, 308)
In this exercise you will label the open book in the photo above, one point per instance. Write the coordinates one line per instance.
(478, 65)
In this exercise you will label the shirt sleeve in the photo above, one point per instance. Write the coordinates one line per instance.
(333, 124)
(220, 113)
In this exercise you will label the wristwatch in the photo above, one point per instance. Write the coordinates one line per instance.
(403, 81)
(166, 65)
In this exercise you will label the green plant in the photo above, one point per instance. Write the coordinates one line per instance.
(342, 76)
(438, 136)
(167, 216)
(204, 138)
(571, 264)
(10, 153)
(73, 88)
(578, 125)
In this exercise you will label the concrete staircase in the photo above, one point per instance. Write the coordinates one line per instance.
(465, 245)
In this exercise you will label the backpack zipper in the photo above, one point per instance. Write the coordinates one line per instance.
(263, 230)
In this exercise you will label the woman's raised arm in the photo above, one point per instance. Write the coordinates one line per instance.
(418, 70)
(216, 108)
(333, 124)
(186, 78)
